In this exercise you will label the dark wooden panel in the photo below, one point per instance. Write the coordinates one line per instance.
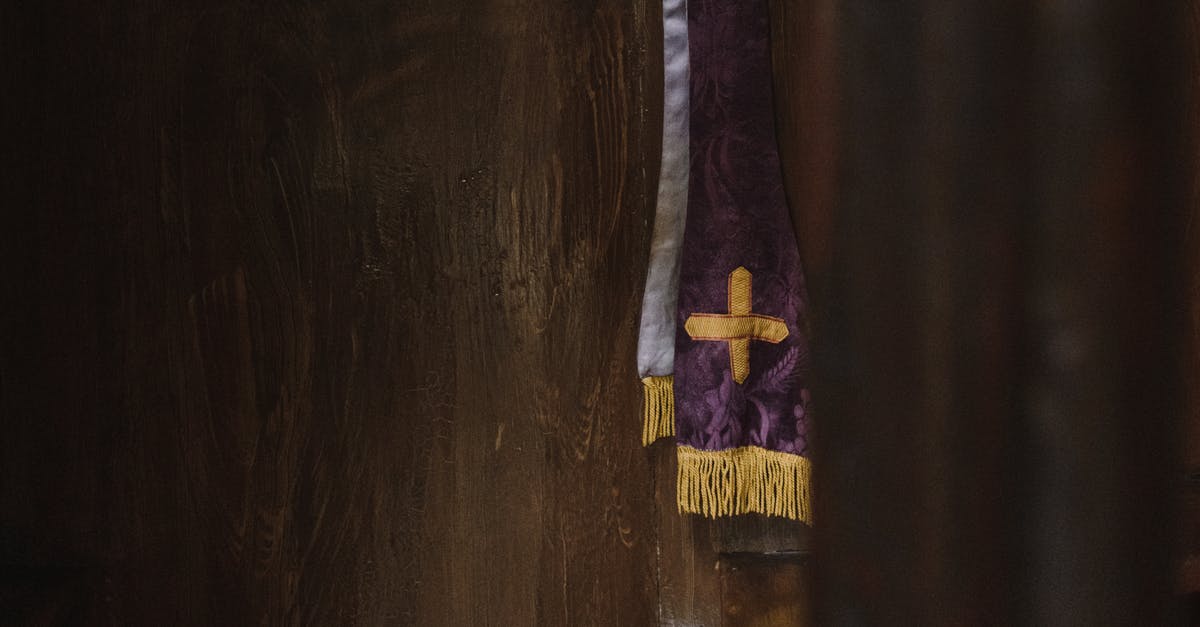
(1189, 528)
(999, 366)
(765, 535)
(765, 592)
(689, 584)
(1192, 426)
(326, 312)
(696, 555)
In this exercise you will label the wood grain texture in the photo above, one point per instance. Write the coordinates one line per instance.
(765, 592)
(327, 312)
(689, 584)
(761, 535)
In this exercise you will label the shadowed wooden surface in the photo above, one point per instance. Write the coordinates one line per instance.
(1000, 359)
(689, 585)
(1189, 529)
(765, 592)
(325, 313)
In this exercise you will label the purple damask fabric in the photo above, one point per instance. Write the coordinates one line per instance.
(737, 217)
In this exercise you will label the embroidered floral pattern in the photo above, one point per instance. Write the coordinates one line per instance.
(737, 216)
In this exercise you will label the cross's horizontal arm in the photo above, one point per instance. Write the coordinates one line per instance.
(730, 327)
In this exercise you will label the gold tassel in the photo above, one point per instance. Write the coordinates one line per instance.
(658, 408)
(744, 480)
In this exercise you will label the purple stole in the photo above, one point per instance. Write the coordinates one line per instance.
(740, 391)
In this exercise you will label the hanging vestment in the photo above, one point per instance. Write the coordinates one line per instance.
(739, 391)
(656, 339)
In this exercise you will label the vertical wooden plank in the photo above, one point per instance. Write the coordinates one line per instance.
(914, 355)
(689, 583)
(1189, 528)
(599, 506)
(998, 360)
(1105, 309)
(765, 592)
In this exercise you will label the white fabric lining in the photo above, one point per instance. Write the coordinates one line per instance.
(656, 337)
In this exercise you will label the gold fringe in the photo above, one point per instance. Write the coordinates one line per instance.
(658, 408)
(744, 480)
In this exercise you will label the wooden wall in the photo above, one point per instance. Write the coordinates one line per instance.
(1005, 327)
(324, 313)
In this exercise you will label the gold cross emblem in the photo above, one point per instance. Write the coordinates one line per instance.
(737, 327)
